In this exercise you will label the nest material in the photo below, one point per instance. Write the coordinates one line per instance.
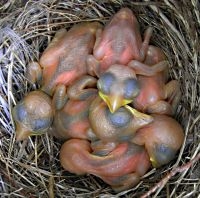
(31, 168)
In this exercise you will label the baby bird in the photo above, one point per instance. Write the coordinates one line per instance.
(118, 43)
(72, 120)
(162, 139)
(156, 94)
(33, 115)
(121, 168)
(118, 86)
(117, 126)
(64, 60)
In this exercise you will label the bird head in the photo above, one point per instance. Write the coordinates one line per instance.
(33, 115)
(118, 86)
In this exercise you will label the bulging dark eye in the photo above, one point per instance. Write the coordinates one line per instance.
(105, 82)
(20, 112)
(163, 154)
(131, 89)
(41, 124)
(120, 118)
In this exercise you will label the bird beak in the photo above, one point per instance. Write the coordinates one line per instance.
(22, 133)
(143, 118)
(114, 102)
(154, 163)
(138, 114)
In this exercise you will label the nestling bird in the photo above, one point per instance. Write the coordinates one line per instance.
(118, 43)
(121, 168)
(156, 94)
(162, 139)
(64, 60)
(72, 120)
(33, 115)
(118, 86)
(117, 126)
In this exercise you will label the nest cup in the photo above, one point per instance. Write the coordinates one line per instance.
(31, 168)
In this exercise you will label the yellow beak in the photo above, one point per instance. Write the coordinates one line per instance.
(154, 163)
(114, 102)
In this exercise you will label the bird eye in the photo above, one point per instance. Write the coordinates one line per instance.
(19, 112)
(41, 124)
(105, 82)
(163, 154)
(131, 89)
(120, 118)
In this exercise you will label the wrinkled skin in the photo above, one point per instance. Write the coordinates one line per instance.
(82, 88)
(122, 168)
(33, 115)
(64, 60)
(162, 139)
(118, 126)
(156, 95)
(72, 120)
(119, 43)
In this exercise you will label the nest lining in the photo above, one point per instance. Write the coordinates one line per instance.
(31, 168)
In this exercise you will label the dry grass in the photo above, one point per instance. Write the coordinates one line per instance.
(31, 168)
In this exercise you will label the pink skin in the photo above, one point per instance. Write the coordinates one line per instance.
(118, 43)
(125, 161)
(72, 120)
(156, 95)
(64, 61)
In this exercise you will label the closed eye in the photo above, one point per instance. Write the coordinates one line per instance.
(20, 112)
(120, 118)
(105, 82)
(41, 124)
(131, 88)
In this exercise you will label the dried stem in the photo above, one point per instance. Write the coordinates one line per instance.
(26, 28)
(163, 181)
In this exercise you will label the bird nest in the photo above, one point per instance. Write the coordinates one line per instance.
(31, 168)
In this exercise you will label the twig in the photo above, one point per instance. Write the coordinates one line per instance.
(170, 175)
